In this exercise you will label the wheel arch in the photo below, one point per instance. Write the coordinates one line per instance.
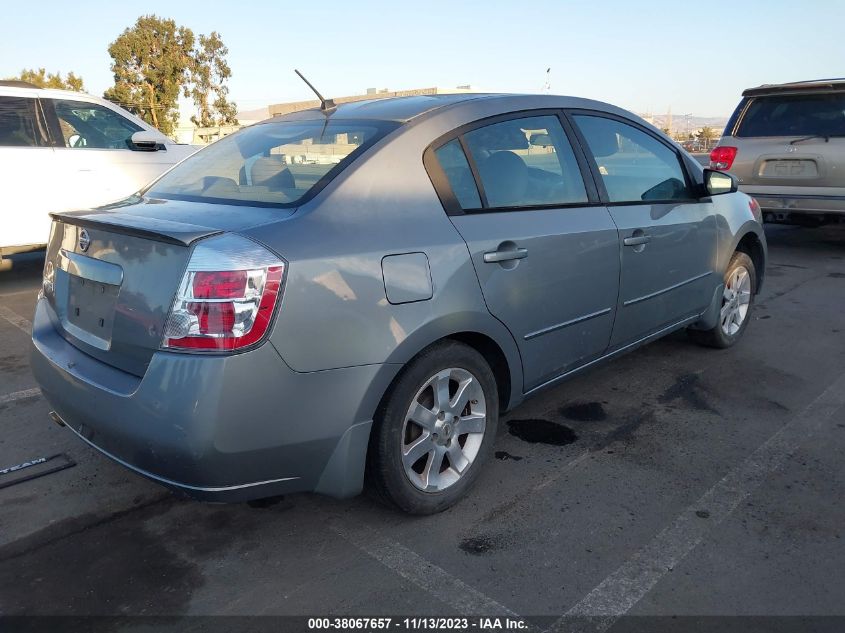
(751, 243)
(486, 335)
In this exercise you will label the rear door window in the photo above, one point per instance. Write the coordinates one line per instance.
(93, 126)
(634, 166)
(20, 125)
(526, 162)
(794, 115)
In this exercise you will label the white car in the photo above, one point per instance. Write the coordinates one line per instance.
(62, 150)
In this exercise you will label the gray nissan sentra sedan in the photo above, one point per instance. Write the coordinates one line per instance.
(355, 294)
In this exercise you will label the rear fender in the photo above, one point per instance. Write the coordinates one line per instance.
(343, 475)
(466, 322)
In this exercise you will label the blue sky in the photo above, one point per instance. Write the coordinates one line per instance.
(644, 56)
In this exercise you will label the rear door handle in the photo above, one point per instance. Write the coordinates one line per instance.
(637, 240)
(504, 256)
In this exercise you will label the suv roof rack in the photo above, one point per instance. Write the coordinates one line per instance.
(17, 83)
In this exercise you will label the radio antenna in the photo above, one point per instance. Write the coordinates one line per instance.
(547, 86)
(326, 105)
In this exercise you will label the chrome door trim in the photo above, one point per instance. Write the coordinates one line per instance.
(665, 290)
(559, 326)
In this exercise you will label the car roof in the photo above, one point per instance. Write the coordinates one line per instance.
(13, 87)
(405, 109)
(399, 109)
(797, 87)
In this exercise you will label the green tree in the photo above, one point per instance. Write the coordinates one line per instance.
(209, 91)
(706, 134)
(151, 62)
(43, 79)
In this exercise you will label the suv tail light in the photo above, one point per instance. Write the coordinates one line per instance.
(722, 157)
(227, 296)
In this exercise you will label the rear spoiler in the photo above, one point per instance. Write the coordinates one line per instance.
(795, 88)
(155, 229)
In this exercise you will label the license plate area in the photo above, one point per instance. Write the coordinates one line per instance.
(788, 169)
(90, 310)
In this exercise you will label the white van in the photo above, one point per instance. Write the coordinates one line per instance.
(62, 150)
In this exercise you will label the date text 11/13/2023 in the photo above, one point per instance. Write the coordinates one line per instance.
(418, 624)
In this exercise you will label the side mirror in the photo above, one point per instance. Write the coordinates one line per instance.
(718, 182)
(143, 141)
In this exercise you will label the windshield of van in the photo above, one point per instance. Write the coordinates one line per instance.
(269, 164)
(795, 115)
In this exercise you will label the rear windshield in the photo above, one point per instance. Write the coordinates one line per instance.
(270, 164)
(802, 115)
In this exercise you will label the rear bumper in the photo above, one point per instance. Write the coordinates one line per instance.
(219, 428)
(798, 203)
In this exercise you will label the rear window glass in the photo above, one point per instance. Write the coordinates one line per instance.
(269, 164)
(20, 124)
(801, 115)
(455, 165)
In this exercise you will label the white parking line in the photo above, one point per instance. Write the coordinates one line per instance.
(15, 319)
(620, 591)
(20, 395)
(560, 472)
(412, 567)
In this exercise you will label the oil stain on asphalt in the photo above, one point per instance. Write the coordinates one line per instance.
(687, 389)
(478, 545)
(13, 364)
(119, 566)
(542, 432)
(584, 412)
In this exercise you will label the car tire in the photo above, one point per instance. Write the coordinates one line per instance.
(449, 461)
(740, 289)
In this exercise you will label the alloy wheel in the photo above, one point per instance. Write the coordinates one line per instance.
(443, 429)
(735, 300)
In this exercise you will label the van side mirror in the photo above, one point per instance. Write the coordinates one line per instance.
(718, 182)
(144, 141)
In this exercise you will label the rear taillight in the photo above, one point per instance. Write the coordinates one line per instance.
(227, 297)
(722, 157)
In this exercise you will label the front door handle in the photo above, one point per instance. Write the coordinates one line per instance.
(637, 240)
(504, 256)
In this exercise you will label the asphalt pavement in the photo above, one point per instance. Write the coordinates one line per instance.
(676, 480)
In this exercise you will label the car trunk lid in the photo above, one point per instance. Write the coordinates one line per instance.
(114, 271)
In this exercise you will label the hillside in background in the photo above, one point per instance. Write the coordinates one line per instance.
(679, 122)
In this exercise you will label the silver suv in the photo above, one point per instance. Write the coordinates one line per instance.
(786, 144)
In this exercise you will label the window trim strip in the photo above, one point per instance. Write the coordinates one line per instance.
(444, 190)
(691, 184)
